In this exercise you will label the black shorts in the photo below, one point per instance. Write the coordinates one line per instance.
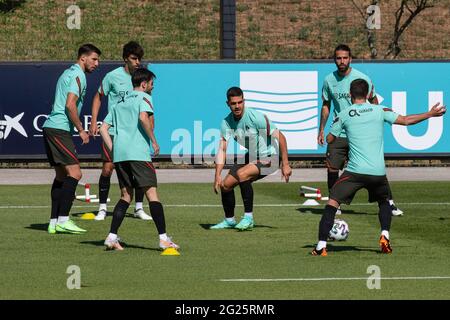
(266, 167)
(136, 174)
(349, 183)
(337, 153)
(107, 155)
(59, 147)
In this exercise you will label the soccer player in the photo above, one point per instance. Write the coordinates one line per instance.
(132, 122)
(364, 122)
(116, 85)
(336, 88)
(254, 131)
(57, 131)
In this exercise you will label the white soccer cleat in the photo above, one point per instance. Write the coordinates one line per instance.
(101, 215)
(140, 213)
(396, 211)
(164, 244)
(338, 211)
(113, 244)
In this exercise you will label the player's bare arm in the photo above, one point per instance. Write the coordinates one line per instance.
(324, 114)
(286, 170)
(146, 124)
(220, 162)
(96, 104)
(436, 111)
(71, 105)
(330, 138)
(105, 135)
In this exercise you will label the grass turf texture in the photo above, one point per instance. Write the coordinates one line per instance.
(34, 263)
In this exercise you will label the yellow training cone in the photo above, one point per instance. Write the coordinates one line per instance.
(170, 252)
(88, 216)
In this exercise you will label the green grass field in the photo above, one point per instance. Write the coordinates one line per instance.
(33, 263)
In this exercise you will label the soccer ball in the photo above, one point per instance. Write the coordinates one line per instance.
(339, 231)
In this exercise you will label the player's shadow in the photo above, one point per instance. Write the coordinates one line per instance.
(207, 226)
(337, 248)
(100, 243)
(38, 226)
(319, 210)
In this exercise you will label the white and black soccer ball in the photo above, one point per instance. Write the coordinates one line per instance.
(339, 231)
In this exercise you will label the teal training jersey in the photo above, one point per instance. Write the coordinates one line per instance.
(73, 80)
(253, 131)
(364, 124)
(115, 85)
(131, 143)
(336, 89)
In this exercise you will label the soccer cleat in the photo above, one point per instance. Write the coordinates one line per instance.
(385, 245)
(164, 244)
(338, 211)
(245, 224)
(113, 244)
(69, 227)
(396, 211)
(322, 252)
(51, 229)
(224, 225)
(101, 215)
(140, 213)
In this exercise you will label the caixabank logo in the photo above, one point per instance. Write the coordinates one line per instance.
(9, 124)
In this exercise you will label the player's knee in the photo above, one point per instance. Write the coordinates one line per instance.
(76, 175)
(126, 195)
(107, 170)
(225, 188)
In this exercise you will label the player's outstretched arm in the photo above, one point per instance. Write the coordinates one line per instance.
(435, 111)
(105, 135)
(220, 162)
(96, 104)
(71, 105)
(324, 114)
(286, 170)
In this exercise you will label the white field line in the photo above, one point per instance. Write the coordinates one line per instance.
(238, 205)
(338, 279)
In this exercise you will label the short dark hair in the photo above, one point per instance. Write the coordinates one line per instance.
(234, 92)
(343, 47)
(359, 89)
(140, 75)
(88, 49)
(132, 47)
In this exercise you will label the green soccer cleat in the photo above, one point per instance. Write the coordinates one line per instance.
(224, 225)
(245, 224)
(69, 227)
(51, 229)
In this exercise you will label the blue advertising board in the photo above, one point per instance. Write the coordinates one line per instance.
(189, 101)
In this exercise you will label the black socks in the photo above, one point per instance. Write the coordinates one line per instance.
(326, 223)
